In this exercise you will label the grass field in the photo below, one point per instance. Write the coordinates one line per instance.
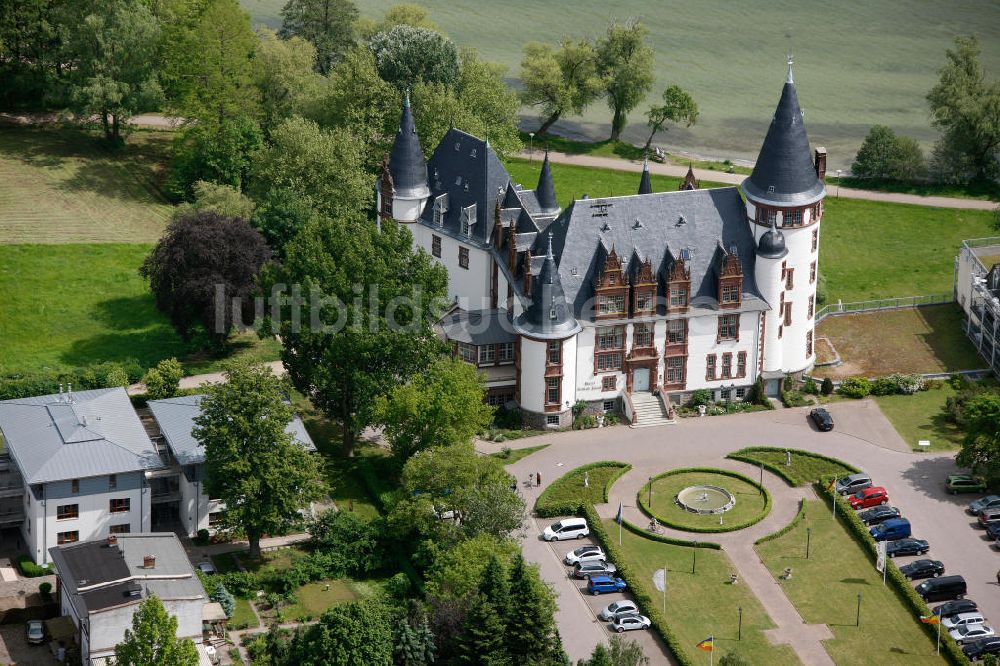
(313, 598)
(243, 616)
(922, 416)
(921, 340)
(749, 500)
(61, 186)
(857, 64)
(703, 603)
(825, 590)
(804, 468)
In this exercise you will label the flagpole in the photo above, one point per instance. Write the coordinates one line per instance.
(939, 636)
(711, 653)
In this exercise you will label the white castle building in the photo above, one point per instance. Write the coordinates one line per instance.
(628, 303)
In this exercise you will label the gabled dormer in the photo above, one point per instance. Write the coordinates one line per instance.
(611, 288)
(730, 279)
(643, 288)
(678, 282)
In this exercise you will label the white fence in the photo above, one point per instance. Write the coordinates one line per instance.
(882, 304)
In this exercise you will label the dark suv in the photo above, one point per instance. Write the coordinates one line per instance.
(822, 419)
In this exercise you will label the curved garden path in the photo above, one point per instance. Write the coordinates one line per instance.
(863, 437)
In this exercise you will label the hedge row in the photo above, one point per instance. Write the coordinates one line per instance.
(899, 582)
(31, 570)
(545, 507)
(780, 470)
(714, 529)
(635, 529)
(45, 382)
(646, 604)
(799, 515)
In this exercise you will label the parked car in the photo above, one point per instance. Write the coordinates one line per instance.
(904, 547)
(822, 419)
(890, 530)
(971, 633)
(852, 483)
(993, 531)
(600, 584)
(965, 484)
(594, 568)
(955, 607)
(568, 528)
(585, 554)
(962, 619)
(942, 589)
(35, 630)
(922, 569)
(987, 516)
(879, 514)
(988, 502)
(630, 622)
(206, 568)
(869, 497)
(618, 609)
(984, 646)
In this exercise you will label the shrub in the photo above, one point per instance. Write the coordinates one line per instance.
(44, 382)
(758, 396)
(223, 597)
(399, 587)
(117, 376)
(45, 589)
(700, 397)
(827, 386)
(163, 380)
(242, 584)
(202, 538)
(810, 387)
(349, 543)
(855, 387)
(508, 419)
(30, 569)
(884, 386)
(794, 399)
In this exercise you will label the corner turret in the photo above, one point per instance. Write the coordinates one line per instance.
(645, 184)
(548, 316)
(403, 189)
(546, 191)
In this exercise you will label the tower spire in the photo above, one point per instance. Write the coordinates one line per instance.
(545, 192)
(645, 184)
(790, 62)
(406, 162)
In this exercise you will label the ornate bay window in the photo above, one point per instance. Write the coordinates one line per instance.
(678, 285)
(730, 280)
(609, 345)
(644, 290)
(611, 288)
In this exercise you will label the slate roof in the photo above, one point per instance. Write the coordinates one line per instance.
(645, 184)
(98, 433)
(785, 161)
(406, 162)
(97, 576)
(546, 190)
(548, 316)
(658, 227)
(478, 327)
(772, 243)
(175, 416)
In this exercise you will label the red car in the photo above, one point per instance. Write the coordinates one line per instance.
(869, 497)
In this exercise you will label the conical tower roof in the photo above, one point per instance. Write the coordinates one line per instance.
(406, 162)
(784, 174)
(546, 191)
(645, 184)
(548, 316)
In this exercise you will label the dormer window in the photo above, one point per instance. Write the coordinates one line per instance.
(468, 219)
(440, 209)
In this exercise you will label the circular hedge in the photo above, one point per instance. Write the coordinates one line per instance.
(753, 502)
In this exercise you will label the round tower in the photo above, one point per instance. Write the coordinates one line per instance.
(785, 203)
(403, 190)
(547, 333)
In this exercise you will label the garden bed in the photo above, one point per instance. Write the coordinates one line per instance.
(565, 495)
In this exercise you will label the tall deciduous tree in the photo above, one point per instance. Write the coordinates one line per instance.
(371, 329)
(625, 61)
(405, 55)
(264, 476)
(152, 640)
(981, 448)
(346, 635)
(201, 265)
(884, 155)
(284, 76)
(560, 81)
(29, 50)
(221, 154)
(327, 24)
(110, 55)
(441, 406)
(967, 109)
(678, 107)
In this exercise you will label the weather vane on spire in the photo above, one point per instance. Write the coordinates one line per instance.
(790, 61)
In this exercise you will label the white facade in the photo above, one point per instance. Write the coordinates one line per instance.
(469, 287)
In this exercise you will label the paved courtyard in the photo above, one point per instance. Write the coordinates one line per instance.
(863, 437)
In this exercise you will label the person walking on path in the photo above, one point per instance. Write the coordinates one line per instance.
(998, 577)
(538, 479)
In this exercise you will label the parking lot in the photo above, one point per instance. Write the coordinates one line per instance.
(14, 648)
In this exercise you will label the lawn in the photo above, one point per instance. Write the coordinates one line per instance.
(511, 456)
(61, 186)
(569, 489)
(825, 590)
(749, 500)
(72, 305)
(313, 598)
(703, 603)
(804, 468)
(919, 340)
(243, 616)
(923, 416)
(272, 560)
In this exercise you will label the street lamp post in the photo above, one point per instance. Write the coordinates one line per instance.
(531, 143)
(808, 537)
(694, 557)
(649, 500)
(839, 172)
(857, 621)
(739, 631)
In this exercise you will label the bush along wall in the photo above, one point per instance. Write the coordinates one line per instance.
(710, 529)
(45, 382)
(894, 577)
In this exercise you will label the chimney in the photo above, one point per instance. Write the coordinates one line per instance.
(112, 540)
(821, 163)
(60, 393)
(69, 393)
(148, 561)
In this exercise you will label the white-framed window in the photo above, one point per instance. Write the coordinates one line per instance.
(506, 350)
(467, 352)
(440, 208)
(487, 355)
(468, 219)
(611, 304)
(610, 337)
(552, 420)
(675, 370)
(609, 361)
(642, 335)
(675, 331)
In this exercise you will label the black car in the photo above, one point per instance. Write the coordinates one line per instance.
(907, 547)
(955, 607)
(879, 514)
(822, 419)
(984, 646)
(993, 530)
(922, 569)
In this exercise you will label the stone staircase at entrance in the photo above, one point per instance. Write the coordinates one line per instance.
(649, 410)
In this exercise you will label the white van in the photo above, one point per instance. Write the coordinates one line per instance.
(569, 528)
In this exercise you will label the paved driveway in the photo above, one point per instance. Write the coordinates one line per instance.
(863, 437)
(14, 648)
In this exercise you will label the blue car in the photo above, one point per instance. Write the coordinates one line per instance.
(890, 530)
(600, 584)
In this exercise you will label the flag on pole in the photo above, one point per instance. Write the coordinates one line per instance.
(618, 518)
(708, 645)
(833, 482)
(930, 619)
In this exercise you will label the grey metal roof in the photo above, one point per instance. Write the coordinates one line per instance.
(478, 327)
(406, 163)
(659, 227)
(97, 575)
(86, 433)
(548, 316)
(546, 190)
(772, 244)
(175, 416)
(645, 184)
(785, 162)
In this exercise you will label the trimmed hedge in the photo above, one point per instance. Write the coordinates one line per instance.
(30, 569)
(635, 529)
(546, 508)
(746, 455)
(714, 529)
(646, 604)
(904, 589)
(799, 515)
